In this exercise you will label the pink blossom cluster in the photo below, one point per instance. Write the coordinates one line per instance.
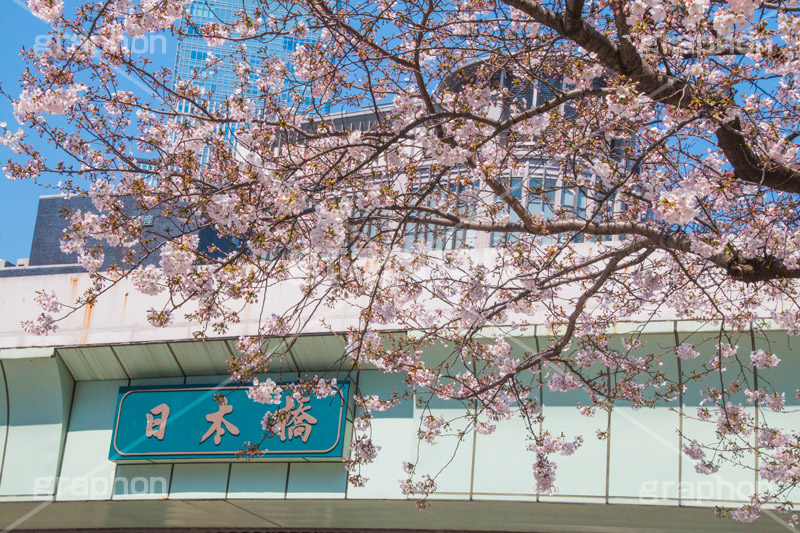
(686, 351)
(563, 382)
(47, 10)
(266, 391)
(160, 319)
(56, 101)
(544, 469)
(762, 359)
(676, 207)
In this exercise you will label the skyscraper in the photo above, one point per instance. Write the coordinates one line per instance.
(220, 82)
(191, 62)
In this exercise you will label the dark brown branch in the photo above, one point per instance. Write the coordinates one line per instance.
(745, 270)
(666, 90)
(749, 167)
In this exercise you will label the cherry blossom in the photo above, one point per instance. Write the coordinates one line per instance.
(686, 351)
(159, 319)
(448, 176)
(147, 280)
(266, 391)
(762, 359)
(47, 10)
(677, 207)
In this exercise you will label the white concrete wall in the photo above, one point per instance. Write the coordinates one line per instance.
(119, 317)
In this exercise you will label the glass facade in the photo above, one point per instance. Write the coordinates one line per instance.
(192, 58)
(221, 82)
(546, 188)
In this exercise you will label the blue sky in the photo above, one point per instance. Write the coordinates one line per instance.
(19, 199)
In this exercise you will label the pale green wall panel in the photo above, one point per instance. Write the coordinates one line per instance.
(787, 420)
(645, 451)
(584, 472)
(205, 481)
(569, 398)
(448, 452)
(705, 343)
(397, 439)
(31, 464)
(85, 465)
(784, 377)
(316, 480)
(730, 480)
(453, 482)
(39, 397)
(257, 480)
(375, 382)
(67, 383)
(394, 431)
(509, 472)
(142, 482)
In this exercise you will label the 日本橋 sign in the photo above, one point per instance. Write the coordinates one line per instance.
(187, 422)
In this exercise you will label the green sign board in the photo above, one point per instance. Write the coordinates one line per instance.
(186, 422)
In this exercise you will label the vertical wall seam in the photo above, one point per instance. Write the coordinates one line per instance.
(226, 343)
(286, 487)
(175, 358)
(8, 421)
(171, 476)
(346, 407)
(228, 482)
(608, 445)
(116, 464)
(756, 403)
(58, 356)
(541, 385)
(472, 467)
(680, 415)
(119, 362)
(293, 359)
(114, 482)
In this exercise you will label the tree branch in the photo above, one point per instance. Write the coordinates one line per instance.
(663, 89)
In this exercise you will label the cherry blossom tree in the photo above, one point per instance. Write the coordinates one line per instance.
(667, 130)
